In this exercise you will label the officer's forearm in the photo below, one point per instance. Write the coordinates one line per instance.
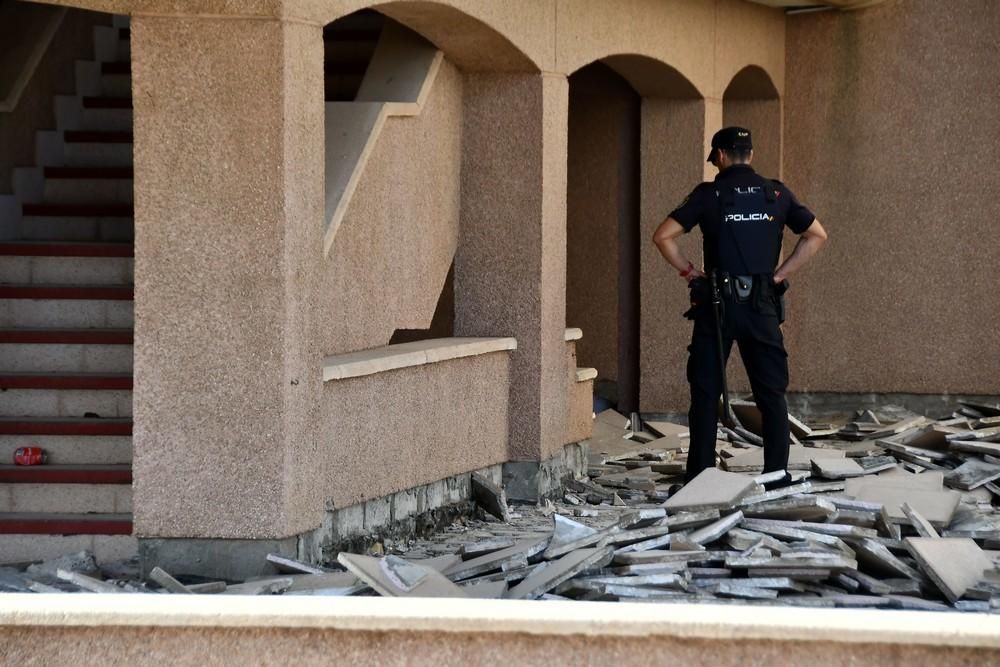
(804, 250)
(671, 252)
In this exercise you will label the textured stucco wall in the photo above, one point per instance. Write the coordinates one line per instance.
(54, 75)
(314, 646)
(226, 204)
(890, 134)
(236, 306)
(392, 253)
(387, 432)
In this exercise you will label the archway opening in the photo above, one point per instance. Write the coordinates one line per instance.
(636, 129)
(751, 100)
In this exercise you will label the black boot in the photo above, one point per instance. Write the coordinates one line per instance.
(779, 483)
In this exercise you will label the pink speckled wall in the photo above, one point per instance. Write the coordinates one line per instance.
(890, 137)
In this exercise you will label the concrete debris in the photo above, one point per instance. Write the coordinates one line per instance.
(887, 509)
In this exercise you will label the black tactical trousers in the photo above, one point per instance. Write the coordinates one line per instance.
(763, 351)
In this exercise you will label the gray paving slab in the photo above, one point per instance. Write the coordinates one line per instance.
(835, 468)
(558, 571)
(952, 563)
(972, 474)
(493, 561)
(396, 577)
(711, 489)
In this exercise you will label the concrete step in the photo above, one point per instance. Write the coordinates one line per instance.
(62, 292)
(65, 403)
(48, 394)
(110, 79)
(65, 313)
(72, 449)
(66, 498)
(57, 474)
(74, 112)
(111, 44)
(64, 270)
(77, 228)
(87, 185)
(111, 149)
(25, 523)
(64, 426)
(66, 350)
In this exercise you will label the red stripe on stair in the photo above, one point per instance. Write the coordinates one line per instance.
(96, 137)
(96, 293)
(61, 249)
(24, 426)
(65, 381)
(47, 474)
(67, 336)
(77, 210)
(65, 524)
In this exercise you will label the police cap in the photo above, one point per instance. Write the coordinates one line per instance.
(729, 138)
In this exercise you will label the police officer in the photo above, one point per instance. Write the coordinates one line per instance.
(742, 217)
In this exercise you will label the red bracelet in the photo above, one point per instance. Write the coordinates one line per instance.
(687, 272)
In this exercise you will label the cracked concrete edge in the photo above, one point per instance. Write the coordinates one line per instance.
(554, 618)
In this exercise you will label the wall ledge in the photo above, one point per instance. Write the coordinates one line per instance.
(405, 355)
(573, 333)
(585, 374)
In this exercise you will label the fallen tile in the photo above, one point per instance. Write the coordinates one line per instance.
(558, 571)
(919, 523)
(88, 583)
(476, 549)
(284, 564)
(972, 474)
(485, 590)
(799, 507)
(395, 577)
(266, 586)
(836, 468)
(168, 582)
(490, 497)
(493, 561)
(877, 558)
(711, 489)
(953, 564)
(714, 531)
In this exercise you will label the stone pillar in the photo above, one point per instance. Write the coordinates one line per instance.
(510, 268)
(228, 212)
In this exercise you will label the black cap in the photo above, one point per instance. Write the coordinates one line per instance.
(729, 138)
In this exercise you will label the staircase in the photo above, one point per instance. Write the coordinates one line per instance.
(66, 323)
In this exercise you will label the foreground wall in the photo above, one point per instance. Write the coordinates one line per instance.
(891, 137)
(146, 629)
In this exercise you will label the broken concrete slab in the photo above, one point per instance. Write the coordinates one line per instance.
(558, 571)
(877, 558)
(485, 590)
(395, 577)
(799, 507)
(938, 507)
(88, 583)
(476, 549)
(919, 523)
(490, 497)
(836, 468)
(952, 563)
(268, 586)
(168, 582)
(284, 564)
(972, 474)
(714, 531)
(612, 418)
(711, 489)
(493, 561)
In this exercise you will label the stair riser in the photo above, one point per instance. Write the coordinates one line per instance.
(100, 498)
(105, 155)
(90, 81)
(108, 45)
(28, 358)
(22, 548)
(66, 270)
(71, 449)
(46, 228)
(65, 403)
(87, 191)
(65, 313)
(71, 115)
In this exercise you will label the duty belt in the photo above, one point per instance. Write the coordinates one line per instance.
(738, 288)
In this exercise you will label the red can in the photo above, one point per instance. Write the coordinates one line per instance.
(29, 456)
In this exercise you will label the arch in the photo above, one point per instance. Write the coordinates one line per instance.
(751, 83)
(751, 100)
(466, 41)
(635, 146)
(651, 77)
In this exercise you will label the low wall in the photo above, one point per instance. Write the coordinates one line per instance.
(145, 629)
(390, 431)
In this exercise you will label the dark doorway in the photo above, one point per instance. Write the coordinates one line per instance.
(603, 208)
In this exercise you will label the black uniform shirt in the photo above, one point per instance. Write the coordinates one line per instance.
(702, 208)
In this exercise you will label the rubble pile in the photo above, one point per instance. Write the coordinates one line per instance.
(889, 509)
